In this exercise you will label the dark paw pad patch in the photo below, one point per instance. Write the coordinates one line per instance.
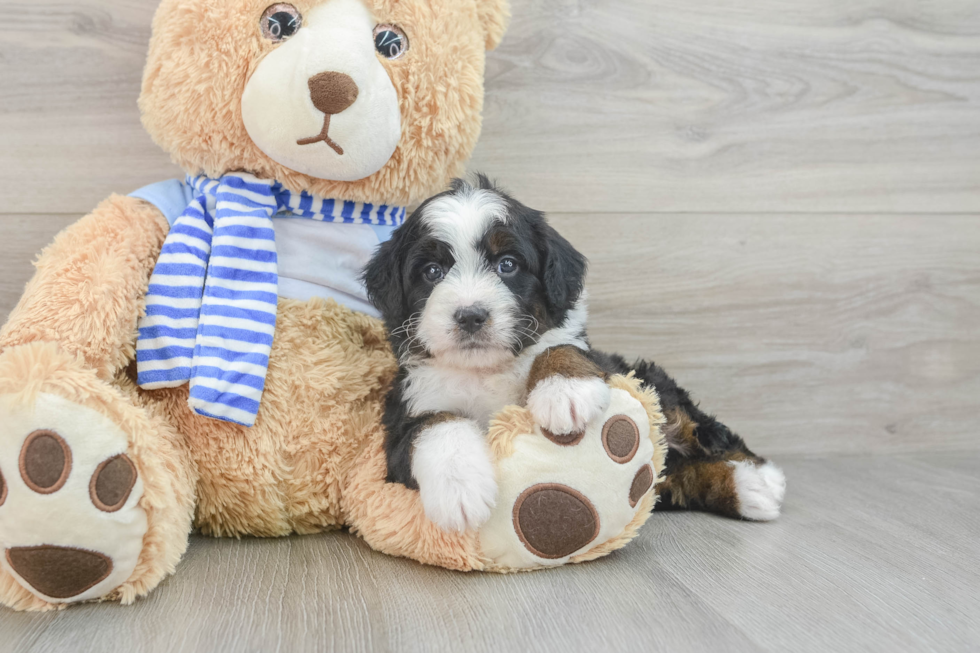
(553, 520)
(45, 461)
(641, 484)
(621, 438)
(565, 439)
(59, 572)
(112, 482)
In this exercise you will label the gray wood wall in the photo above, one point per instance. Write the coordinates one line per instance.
(780, 198)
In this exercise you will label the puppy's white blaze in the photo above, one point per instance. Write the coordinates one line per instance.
(563, 405)
(461, 221)
(438, 330)
(451, 463)
(760, 490)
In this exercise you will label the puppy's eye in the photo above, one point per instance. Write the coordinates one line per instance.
(390, 41)
(432, 272)
(280, 21)
(507, 266)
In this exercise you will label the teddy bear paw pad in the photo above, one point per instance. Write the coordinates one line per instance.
(71, 527)
(554, 520)
(561, 498)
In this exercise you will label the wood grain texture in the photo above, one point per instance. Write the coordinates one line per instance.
(774, 105)
(71, 133)
(612, 105)
(848, 567)
(805, 333)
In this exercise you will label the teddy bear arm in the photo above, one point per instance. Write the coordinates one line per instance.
(89, 285)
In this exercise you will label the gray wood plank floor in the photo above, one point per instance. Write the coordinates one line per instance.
(873, 553)
(781, 203)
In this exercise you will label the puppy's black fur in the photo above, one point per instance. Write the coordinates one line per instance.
(712, 441)
(551, 280)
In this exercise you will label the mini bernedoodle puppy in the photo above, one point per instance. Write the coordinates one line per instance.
(485, 306)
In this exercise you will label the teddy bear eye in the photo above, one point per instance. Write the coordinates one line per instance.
(280, 21)
(390, 41)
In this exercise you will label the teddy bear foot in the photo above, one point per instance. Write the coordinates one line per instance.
(72, 522)
(574, 497)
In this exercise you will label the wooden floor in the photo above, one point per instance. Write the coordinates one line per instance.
(781, 203)
(874, 553)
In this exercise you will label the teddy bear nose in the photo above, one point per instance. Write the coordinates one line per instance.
(332, 92)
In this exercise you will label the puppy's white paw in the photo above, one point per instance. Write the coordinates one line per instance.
(456, 479)
(563, 405)
(760, 490)
(775, 480)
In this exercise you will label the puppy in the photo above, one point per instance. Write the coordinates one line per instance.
(485, 307)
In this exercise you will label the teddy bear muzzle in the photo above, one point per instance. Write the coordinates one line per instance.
(321, 102)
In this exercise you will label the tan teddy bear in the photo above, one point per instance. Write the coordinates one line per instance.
(305, 129)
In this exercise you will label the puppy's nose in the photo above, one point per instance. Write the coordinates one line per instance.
(472, 318)
(332, 92)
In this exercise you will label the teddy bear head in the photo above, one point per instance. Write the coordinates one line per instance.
(363, 100)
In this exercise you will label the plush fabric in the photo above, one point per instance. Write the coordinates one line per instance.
(211, 302)
(357, 123)
(315, 258)
(195, 78)
(314, 459)
(87, 292)
(41, 371)
(525, 456)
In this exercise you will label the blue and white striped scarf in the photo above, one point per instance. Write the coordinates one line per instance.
(211, 304)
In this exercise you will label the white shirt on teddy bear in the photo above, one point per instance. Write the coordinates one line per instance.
(316, 259)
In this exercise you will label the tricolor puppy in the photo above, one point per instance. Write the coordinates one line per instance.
(485, 307)
(473, 287)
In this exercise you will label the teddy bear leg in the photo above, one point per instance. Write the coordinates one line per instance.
(89, 286)
(96, 493)
(391, 518)
(560, 498)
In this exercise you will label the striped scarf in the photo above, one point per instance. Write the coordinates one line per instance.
(211, 304)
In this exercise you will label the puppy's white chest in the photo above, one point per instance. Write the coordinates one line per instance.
(473, 394)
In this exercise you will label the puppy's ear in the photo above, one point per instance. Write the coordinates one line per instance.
(458, 185)
(484, 182)
(563, 272)
(494, 16)
(383, 278)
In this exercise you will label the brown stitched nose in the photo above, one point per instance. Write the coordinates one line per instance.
(332, 92)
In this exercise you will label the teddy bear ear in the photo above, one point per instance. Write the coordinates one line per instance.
(494, 15)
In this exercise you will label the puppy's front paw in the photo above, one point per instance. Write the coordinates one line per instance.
(456, 479)
(566, 405)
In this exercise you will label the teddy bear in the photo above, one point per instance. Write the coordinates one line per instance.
(200, 354)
